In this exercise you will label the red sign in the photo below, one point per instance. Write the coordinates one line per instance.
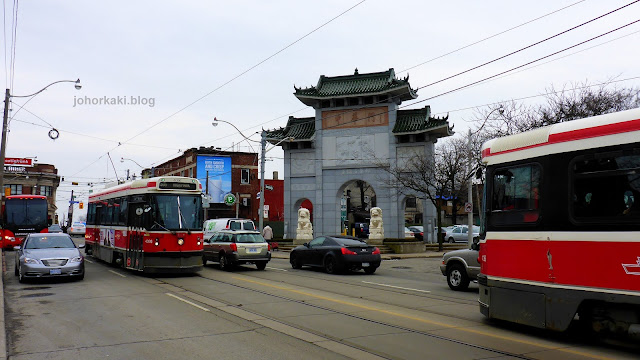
(18, 162)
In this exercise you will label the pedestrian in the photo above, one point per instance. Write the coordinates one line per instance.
(267, 233)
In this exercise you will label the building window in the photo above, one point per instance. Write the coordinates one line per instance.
(190, 172)
(45, 190)
(244, 176)
(15, 189)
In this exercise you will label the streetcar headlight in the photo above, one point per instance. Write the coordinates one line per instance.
(180, 241)
(30, 261)
(198, 243)
(157, 242)
(10, 238)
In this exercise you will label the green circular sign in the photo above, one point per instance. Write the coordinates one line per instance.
(229, 199)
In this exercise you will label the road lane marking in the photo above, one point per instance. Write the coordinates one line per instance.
(188, 302)
(396, 287)
(270, 268)
(117, 273)
(423, 320)
(89, 261)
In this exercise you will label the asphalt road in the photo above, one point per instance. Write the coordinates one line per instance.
(404, 311)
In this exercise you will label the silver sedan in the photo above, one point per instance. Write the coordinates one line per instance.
(49, 255)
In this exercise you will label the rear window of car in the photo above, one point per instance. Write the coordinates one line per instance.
(349, 242)
(249, 238)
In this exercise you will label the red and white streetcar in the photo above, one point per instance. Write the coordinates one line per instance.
(561, 236)
(21, 216)
(151, 225)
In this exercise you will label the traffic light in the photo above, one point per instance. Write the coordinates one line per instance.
(81, 205)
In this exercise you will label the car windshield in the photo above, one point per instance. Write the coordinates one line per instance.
(49, 242)
(179, 212)
(249, 238)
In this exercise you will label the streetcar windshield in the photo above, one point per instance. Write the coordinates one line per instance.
(178, 212)
(31, 213)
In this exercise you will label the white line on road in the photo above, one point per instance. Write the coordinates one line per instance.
(89, 261)
(188, 302)
(270, 268)
(117, 273)
(396, 287)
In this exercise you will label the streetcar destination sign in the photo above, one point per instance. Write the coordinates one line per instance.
(177, 186)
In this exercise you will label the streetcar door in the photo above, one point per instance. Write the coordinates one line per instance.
(135, 230)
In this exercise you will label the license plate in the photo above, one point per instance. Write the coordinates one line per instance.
(365, 264)
(55, 271)
(253, 250)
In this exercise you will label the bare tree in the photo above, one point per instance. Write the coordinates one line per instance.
(433, 179)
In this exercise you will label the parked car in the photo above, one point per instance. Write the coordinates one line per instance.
(336, 254)
(460, 267)
(234, 247)
(212, 226)
(55, 228)
(458, 233)
(418, 232)
(408, 234)
(77, 228)
(48, 255)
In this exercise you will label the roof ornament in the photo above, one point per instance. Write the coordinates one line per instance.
(355, 72)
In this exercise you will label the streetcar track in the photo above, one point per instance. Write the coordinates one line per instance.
(338, 312)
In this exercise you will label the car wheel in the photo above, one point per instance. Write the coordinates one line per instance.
(331, 265)
(451, 241)
(261, 265)
(20, 276)
(457, 278)
(295, 263)
(224, 265)
(370, 270)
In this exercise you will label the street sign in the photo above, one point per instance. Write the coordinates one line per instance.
(268, 187)
(468, 207)
(229, 199)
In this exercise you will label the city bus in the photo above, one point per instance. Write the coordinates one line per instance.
(561, 232)
(148, 225)
(22, 215)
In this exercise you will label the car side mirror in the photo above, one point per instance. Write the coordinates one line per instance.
(16, 248)
(475, 246)
(306, 244)
(81, 246)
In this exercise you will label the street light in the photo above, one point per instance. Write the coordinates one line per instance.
(264, 150)
(5, 117)
(500, 109)
(123, 159)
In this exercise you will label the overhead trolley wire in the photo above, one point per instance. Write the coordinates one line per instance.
(231, 80)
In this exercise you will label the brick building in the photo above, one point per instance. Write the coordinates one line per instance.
(228, 172)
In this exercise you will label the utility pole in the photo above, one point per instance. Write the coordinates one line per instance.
(3, 146)
(263, 150)
(470, 195)
(70, 217)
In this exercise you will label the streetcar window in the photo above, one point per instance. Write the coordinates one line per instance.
(177, 212)
(604, 187)
(515, 195)
(116, 212)
(123, 212)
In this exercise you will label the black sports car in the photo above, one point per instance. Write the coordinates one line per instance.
(336, 254)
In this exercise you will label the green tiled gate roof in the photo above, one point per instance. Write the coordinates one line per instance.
(418, 120)
(299, 128)
(358, 85)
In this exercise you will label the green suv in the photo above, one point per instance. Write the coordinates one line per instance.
(235, 247)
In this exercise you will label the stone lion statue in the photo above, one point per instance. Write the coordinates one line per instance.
(376, 229)
(305, 228)
(304, 219)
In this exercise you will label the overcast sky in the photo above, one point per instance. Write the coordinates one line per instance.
(197, 60)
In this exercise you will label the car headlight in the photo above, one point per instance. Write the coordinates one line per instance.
(30, 261)
(76, 259)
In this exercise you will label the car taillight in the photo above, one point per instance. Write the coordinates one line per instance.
(233, 247)
(376, 251)
(268, 247)
(346, 251)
